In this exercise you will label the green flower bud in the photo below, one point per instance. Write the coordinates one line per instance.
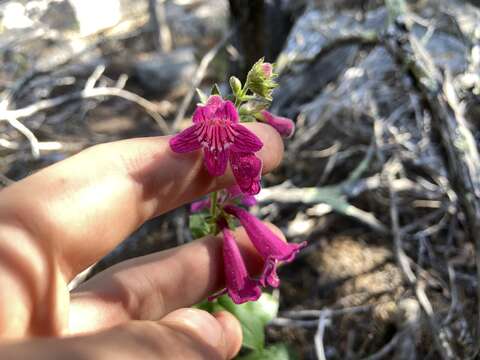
(236, 85)
(260, 79)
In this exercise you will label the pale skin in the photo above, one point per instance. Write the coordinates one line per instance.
(60, 220)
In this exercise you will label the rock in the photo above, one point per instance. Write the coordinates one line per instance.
(107, 13)
(162, 73)
(197, 22)
(14, 16)
(314, 36)
(60, 15)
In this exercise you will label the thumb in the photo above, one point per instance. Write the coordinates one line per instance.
(219, 334)
(183, 334)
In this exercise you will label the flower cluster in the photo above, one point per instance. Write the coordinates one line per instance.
(217, 129)
(239, 285)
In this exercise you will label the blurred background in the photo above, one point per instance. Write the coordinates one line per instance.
(382, 176)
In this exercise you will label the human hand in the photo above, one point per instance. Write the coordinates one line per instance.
(59, 221)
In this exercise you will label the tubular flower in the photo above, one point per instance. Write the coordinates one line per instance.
(199, 205)
(228, 195)
(239, 286)
(217, 130)
(284, 126)
(269, 245)
(234, 192)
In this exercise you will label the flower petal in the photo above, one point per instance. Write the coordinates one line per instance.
(231, 112)
(185, 141)
(269, 245)
(247, 169)
(201, 114)
(205, 112)
(199, 205)
(234, 192)
(216, 161)
(214, 102)
(240, 287)
(269, 275)
(249, 200)
(245, 140)
(284, 126)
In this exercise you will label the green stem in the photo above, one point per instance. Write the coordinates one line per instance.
(239, 99)
(213, 204)
(213, 212)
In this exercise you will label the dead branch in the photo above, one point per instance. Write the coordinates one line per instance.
(443, 347)
(32, 139)
(98, 92)
(457, 139)
(388, 348)
(323, 322)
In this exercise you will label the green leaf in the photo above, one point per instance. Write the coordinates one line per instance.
(252, 326)
(273, 352)
(215, 90)
(253, 317)
(247, 118)
(199, 225)
(210, 306)
(202, 96)
(266, 308)
(254, 106)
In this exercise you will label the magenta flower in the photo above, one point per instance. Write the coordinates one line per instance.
(269, 245)
(217, 130)
(239, 286)
(267, 70)
(229, 195)
(234, 192)
(199, 205)
(283, 125)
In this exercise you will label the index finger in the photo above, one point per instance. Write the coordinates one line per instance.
(84, 206)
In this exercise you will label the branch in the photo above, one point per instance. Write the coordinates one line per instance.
(87, 93)
(334, 196)
(443, 347)
(32, 139)
(436, 88)
(323, 321)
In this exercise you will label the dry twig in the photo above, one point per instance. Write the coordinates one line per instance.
(87, 93)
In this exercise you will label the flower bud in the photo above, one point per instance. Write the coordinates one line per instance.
(267, 69)
(260, 79)
(236, 85)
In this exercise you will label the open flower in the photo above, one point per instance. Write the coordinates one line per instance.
(239, 286)
(217, 130)
(283, 125)
(269, 245)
